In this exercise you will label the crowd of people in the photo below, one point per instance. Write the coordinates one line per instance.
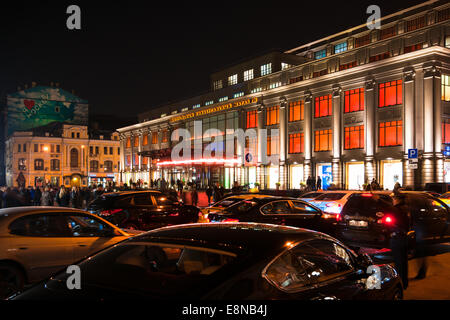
(62, 196)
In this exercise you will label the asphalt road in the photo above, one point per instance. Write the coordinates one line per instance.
(436, 285)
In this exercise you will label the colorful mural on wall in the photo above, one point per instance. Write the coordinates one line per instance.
(40, 105)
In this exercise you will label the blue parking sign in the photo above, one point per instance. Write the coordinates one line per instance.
(412, 153)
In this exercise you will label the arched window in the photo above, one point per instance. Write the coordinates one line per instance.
(108, 165)
(93, 166)
(74, 158)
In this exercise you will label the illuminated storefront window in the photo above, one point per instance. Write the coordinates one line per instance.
(446, 131)
(354, 137)
(445, 87)
(390, 133)
(323, 106)
(323, 140)
(354, 100)
(296, 143)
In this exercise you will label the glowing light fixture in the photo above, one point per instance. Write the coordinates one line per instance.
(198, 161)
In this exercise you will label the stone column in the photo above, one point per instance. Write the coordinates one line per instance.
(283, 143)
(307, 130)
(261, 145)
(370, 165)
(432, 164)
(240, 149)
(408, 124)
(336, 167)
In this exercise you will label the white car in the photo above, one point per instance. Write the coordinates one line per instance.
(332, 202)
(35, 242)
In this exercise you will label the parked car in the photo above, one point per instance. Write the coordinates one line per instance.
(221, 205)
(143, 210)
(332, 201)
(277, 210)
(38, 241)
(231, 261)
(445, 198)
(367, 219)
(438, 187)
(309, 196)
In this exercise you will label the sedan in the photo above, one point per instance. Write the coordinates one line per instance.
(231, 261)
(143, 210)
(278, 210)
(38, 241)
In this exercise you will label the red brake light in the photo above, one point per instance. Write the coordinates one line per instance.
(366, 194)
(338, 217)
(173, 215)
(388, 220)
(231, 220)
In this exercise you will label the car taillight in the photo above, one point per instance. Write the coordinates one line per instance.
(338, 217)
(173, 215)
(387, 220)
(231, 220)
(110, 212)
(366, 195)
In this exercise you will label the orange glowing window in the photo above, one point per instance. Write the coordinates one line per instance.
(296, 143)
(323, 140)
(387, 32)
(390, 93)
(347, 65)
(361, 41)
(323, 106)
(390, 133)
(446, 131)
(145, 140)
(354, 137)
(252, 119)
(412, 48)
(296, 110)
(135, 159)
(155, 137)
(144, 161)
(415, 23)
(272, 115)
(128, 160)
(136, 142)
(354, 100)
(128, 142)
(165, 136)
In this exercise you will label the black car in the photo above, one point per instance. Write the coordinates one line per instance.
(143, 210)
(367, 219)
(278, 210)
(225, 261)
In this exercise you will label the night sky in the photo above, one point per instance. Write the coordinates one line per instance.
(133, 56)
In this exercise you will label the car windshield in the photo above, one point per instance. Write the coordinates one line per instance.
(155, 269)
(225, 203)
(331, 196)
(242, 207)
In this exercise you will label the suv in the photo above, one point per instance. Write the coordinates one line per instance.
(143, 210)
(367, 219)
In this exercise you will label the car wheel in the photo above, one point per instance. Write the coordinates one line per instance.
(398, 294)
(12, 279)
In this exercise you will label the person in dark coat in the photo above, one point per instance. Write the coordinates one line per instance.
(37, 196)
(309, 183)
(63, 197)
(194, 196)
(319, 183)
(209, 193)
(399, 237)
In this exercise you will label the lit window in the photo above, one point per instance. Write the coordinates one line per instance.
(232, 79)
(196, 106)
(445, 87)
(136, 141)
(174, 112)
(128, 143)
(415, 23)
(296, 143)
(248, 74)
(217, 84)
(285, 66)
(296, 79)
(390, 133)
(387, 33)
(184, 109)
(347, 65)
(323, 106)
(163, 115)
(412, 48)
(274, 85)
(207, 103)
(354, 137)
(390, 93)
(296, 110)
(165, 136)
(259, 89)
(266, 69)
(272, 115)
(445, 131)
(354, 100)
(379, 57)
(223, 99)
(447, 41)
(239, 94)
(145, 140)
(340, 47)
(320, 54)
(252, 119)
(154, 137)
(323, 140)
(361, 41)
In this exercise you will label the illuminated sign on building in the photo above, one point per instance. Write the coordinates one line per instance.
(223, 107)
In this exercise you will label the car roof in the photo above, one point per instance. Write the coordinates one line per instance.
(129, 192)
(260, 239)
(28, 209)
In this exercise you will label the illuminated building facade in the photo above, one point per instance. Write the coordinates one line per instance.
(62, 154)
(348, 108)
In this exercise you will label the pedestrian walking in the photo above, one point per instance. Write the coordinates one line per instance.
(319, 183)
(194, 196)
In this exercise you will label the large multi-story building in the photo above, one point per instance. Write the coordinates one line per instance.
(62, 154)
(348, 108)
